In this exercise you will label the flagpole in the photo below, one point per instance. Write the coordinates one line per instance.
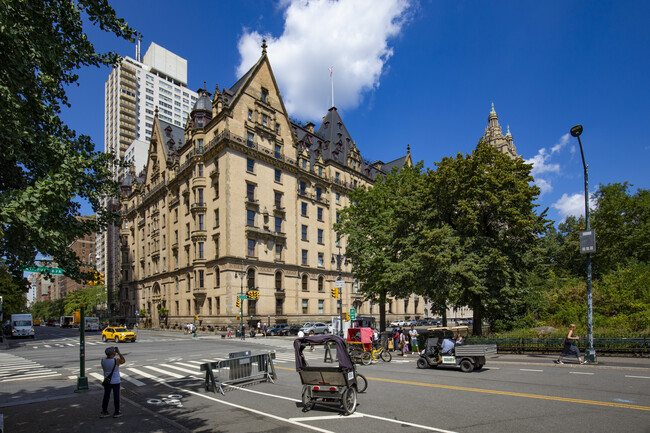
(332, 82)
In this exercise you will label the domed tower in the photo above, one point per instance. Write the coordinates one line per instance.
(201, 113)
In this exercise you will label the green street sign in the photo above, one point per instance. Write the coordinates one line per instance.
(353, 314)
(243, 297)
(43, 269)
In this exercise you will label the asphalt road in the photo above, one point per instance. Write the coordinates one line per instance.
(511, 394)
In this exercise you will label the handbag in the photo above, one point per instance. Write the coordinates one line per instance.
(107, 380)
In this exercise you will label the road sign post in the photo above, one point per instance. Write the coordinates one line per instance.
(82, 380)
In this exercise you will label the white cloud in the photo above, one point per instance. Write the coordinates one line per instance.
(349, 35)
(573, 205)
(542, 164)
(544, 186)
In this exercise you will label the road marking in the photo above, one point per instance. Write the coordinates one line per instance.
(168, 373)
(97, 376)
(133, 380)
(47, 345)
(326, 417)
(580, 372)
(638, 377)
(515, 394)
(528, 369)
(184, 370)
(143, 373)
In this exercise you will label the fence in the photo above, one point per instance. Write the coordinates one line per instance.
(239, 370)
(603, 346)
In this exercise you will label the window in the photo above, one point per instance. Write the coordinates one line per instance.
(278, 224)
(217, 277)
(305, 283)
(187, 228)
(304, 232)
(320, 236)
(175, 215)
(303, 209)
(251, 248)
(320, 260)
(250, 165)
(201, 278)
(279, 302)
(176, 286)
(277, 153)
(278, 281)
(278, 200)
(265, 95)
(250, 139)
(250, 218)
(304, 257)
(250, 283)
(278, 175)
(337, 216)
(321, 286)
(338, 197)
(250, 114)
(305, 306)
(319, 213)
(302, 187)
(201, 253)
(199, 169)
(200, 194)
(265, 120)
(320, 171)
(337, 176)
(201, 222)
(216, 218)
(304, 164)
(216, 246)
(250, 192)
(278, 252)
(320, 306)
(319, 193)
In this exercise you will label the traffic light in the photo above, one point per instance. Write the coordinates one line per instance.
(100, 278)
(238, 303)
(347, 316)
(257, 294)
(335, 292)
(250, 294)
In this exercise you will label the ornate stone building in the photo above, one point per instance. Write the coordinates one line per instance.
(242, 199)
(494, 135)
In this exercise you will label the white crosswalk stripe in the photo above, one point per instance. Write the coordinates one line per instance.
(15, 368)
(161, 371)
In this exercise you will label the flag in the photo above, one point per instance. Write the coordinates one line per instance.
(330, 69)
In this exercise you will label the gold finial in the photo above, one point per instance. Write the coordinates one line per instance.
(264, 46)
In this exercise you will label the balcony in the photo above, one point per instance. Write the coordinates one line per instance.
(280, 293)
(198, 207)
(155, 254)
(199, 235)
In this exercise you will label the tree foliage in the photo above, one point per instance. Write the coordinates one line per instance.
(46, 166)
(13, 296)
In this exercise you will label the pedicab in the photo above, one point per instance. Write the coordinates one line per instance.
(332, 385)
(468, 357)
(360, 344)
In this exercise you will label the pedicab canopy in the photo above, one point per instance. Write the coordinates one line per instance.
(341, 350)
(361, 336)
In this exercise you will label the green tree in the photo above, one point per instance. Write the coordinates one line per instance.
(13, 296)
(46, 166)
(487, 200)
(373, 226)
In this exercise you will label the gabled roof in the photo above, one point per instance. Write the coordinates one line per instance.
(173, 136)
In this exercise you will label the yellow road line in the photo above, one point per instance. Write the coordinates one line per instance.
(508, 393)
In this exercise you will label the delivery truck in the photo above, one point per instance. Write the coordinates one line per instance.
(22, 325)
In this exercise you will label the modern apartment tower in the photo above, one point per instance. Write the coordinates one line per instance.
(133, 91)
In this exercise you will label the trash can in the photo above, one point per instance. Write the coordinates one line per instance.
(242, 368)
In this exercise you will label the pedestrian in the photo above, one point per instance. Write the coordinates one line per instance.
(111, 367)
(264, 330)
(395, 339)
(403, 343)
(243, 331)
(229, 332)
(413, 333)
(301, 334)
(570, 347)
(259, 326)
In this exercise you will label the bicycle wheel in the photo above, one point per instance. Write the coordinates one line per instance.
(366, 358)
(349, 400)
(386, 356)
(307, 403)
(362, 383)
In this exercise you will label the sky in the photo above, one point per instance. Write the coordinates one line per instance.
(424, 74)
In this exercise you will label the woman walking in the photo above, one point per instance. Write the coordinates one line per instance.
(570, 347)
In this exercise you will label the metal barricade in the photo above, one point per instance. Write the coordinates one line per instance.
(241, 370)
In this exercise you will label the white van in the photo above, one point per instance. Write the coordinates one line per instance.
(92, 324)
(22, 325)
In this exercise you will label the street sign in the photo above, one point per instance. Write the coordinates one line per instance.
(588, 242)
(353, 314)
(243, 297)
(339, 283)
(43, 269)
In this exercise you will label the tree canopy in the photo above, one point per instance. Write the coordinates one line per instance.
(46, 167)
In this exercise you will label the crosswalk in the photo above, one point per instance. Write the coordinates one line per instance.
(139, 374)
(71, 342)
(15, 368)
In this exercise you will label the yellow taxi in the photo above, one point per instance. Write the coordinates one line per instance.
(118, 334)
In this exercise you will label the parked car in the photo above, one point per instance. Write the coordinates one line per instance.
(396, 323)
(293, 330)
(118, 334)
(279, 329)
(410, 323)
(316, 328)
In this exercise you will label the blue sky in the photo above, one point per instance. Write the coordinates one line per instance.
(424, 73)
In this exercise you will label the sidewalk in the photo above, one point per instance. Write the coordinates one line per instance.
(63, 410)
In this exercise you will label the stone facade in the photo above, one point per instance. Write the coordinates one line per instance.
(243, 199)
(494, 136)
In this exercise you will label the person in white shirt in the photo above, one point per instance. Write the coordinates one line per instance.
(413, 333)
(301, 334)
(111, 367)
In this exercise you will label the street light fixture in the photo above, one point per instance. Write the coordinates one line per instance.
(590, 353)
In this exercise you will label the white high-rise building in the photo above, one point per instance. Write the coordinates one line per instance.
(133, 91)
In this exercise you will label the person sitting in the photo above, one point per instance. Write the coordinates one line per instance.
(459, 339)
(447, 346)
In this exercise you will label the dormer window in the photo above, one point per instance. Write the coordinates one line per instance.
(265, 95)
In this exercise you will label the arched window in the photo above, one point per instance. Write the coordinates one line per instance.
(217, 277)
(320, 283)
(304, 283)
(278, 281)
(251, 279)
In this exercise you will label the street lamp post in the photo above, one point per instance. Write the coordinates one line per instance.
(590, 353)
(338, 258)
(241, 302)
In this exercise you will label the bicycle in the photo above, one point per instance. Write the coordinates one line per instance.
(376, 355)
